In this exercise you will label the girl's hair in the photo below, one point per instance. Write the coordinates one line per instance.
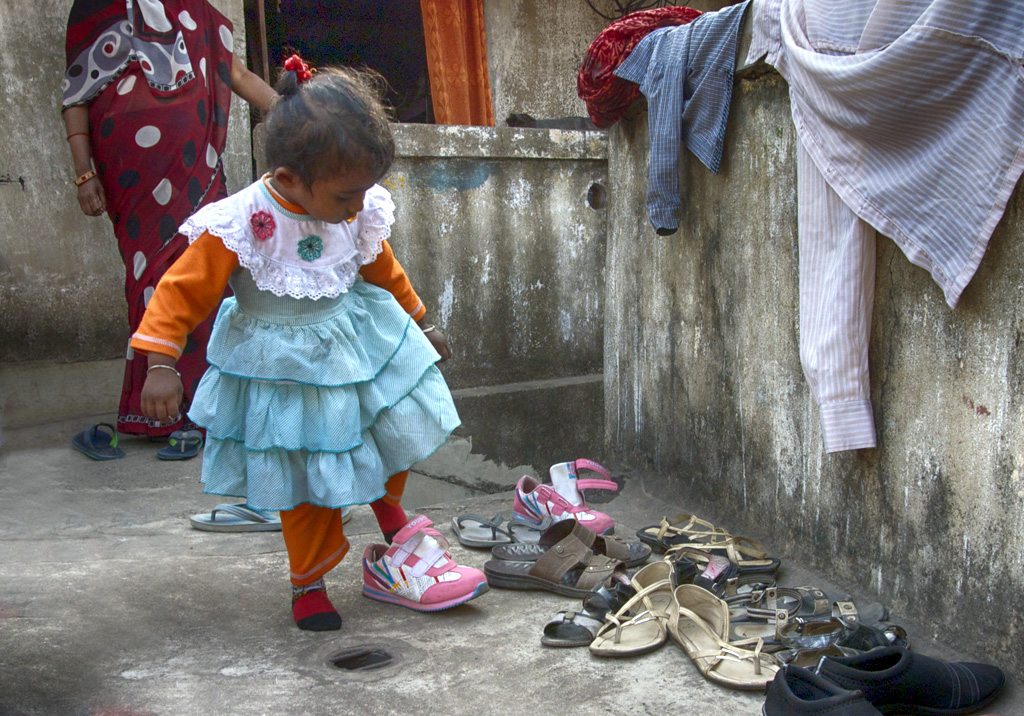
(330, 122)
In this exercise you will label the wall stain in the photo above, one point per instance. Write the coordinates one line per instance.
(461, 176)
(6, 179)
(979, 409)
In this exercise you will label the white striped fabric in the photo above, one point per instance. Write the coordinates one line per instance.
(910, 120)
(914, 112)
(837, 291)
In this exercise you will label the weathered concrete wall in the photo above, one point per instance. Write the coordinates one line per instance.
(704, 385)
(496, 229)
(534, 51)
(61, 278)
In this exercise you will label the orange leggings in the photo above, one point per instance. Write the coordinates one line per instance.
(314, 536)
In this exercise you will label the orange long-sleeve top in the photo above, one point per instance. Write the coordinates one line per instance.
(192, 287)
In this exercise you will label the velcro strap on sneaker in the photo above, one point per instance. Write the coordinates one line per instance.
(591, 484)
(405, 549)
(428, 560)
(585, 464)
(420, 523)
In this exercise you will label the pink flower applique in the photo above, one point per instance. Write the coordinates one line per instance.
(262, 224)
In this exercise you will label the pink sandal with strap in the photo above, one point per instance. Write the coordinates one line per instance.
(563, 498)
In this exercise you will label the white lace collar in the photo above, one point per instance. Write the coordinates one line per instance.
(294, 254)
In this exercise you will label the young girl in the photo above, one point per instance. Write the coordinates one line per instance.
(322, 389)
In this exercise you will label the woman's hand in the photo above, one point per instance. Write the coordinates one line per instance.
(162, 393)
(91, 197)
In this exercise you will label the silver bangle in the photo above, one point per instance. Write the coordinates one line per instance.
(428, 329)
(161, 365)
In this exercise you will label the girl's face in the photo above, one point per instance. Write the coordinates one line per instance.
(333, 199)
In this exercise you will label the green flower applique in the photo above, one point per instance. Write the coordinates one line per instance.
(311, 247)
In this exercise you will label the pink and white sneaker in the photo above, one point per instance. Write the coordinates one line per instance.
(416, 571)
(562, 499)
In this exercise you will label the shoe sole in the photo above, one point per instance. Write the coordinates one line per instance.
(926, 711)
(95, 454)
(380, 596)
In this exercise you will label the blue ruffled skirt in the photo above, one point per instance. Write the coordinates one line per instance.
(317, 401)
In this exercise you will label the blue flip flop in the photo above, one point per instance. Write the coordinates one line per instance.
(181, 445)
(98, 444)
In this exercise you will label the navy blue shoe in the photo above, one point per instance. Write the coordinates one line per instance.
(897, 680)
(181, 445)
(795, 691)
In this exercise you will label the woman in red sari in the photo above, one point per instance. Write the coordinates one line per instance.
(145, 103)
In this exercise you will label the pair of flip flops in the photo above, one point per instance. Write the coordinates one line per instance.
(100, 443)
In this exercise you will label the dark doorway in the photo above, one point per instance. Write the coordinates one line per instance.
(384, 35)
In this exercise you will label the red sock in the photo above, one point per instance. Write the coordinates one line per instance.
(388, 509)
(391, 518)
(313, 611)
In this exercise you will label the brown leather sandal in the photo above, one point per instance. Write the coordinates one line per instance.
(632, 554)
(568, 567)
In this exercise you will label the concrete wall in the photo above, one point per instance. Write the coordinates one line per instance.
(704, 386)
(495, 229)
(534, 51)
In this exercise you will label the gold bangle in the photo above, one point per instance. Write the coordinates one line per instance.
(161, 365)
(428, 329)
(85, 177)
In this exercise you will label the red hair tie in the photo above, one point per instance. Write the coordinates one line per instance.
(300, 68)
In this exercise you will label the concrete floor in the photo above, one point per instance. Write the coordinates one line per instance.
(111, 604)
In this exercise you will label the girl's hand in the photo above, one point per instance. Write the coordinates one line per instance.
(436, 338)
(91, 197)
(161, 396)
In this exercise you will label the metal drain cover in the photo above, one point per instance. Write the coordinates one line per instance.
(361, 658)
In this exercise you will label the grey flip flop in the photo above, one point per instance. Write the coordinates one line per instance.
(476, 531)
(236, 518)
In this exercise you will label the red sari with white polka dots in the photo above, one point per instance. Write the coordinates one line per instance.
(158, 126)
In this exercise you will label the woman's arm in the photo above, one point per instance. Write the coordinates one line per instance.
(250, 86)
(188, 292)
(91, 198)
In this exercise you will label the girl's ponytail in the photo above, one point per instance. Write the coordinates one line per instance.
(295, 73)
(336, 122)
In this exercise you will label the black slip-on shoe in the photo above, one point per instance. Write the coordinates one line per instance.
(796, 691)
(897, 680)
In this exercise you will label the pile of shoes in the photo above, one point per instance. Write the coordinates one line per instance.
(536, 506)
(716, 596)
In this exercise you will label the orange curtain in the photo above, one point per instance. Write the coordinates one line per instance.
(457, 61)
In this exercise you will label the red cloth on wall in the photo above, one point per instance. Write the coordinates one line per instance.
(460, 85)
(607, 96)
